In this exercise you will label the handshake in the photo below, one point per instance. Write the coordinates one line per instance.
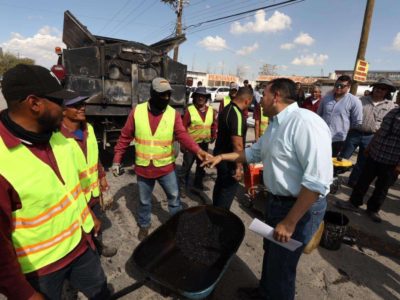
(208, 160)
(116, 169)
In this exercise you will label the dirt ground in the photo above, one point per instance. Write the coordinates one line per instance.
(367, 270)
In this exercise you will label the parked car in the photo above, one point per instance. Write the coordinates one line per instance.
(218, 92)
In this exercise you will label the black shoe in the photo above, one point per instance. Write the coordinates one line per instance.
(182, 193)
(346, 205)
(374, 216)
(105, 250)
(248, 293)
(143, 233)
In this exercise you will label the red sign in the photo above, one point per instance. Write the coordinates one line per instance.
(361, 71)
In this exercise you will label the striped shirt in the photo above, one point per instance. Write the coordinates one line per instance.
(373, 113)
(385, 146)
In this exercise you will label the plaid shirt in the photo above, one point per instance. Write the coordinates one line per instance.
(385, 146)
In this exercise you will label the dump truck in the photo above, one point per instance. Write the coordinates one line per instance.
(115, 74)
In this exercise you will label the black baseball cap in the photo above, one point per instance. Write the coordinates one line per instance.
(24, 80)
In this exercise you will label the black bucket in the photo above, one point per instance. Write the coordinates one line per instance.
(334, 231)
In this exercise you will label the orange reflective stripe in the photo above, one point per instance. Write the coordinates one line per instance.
(48, 243)
(91, 187)
(200, 136)
(83, 174)
(92, 169)
(153, 156)
(264, 122)
(153, 142)
(48, 214)
(196, 127)
(85, 213)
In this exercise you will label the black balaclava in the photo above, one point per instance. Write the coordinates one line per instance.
(23, 134)
(157, 104)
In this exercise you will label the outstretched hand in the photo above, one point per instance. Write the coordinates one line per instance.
(212, 161)
(203, 155)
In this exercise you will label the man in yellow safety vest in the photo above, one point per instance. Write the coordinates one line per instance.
(93, 178)
(154, 125)
(201, 124)
(233, 89)
(45, 224)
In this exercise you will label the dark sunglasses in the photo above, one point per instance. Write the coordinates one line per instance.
(77, 105)
(340, 85)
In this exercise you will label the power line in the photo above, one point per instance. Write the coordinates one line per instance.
(116, 14)
(121, 25)
(243, 13)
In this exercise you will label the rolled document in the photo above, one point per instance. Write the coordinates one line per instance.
(267, 232)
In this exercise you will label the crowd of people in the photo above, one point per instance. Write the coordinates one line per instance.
(51, 178)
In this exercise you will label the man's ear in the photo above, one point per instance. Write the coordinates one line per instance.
(34, 103)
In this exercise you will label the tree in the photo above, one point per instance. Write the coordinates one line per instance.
(8, 61)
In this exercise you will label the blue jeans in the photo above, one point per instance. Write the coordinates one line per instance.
(278, 275)
(84, 273)
(225, 186)
(169, 184)
(356, 139)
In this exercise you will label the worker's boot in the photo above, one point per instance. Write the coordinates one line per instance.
(105, 250)
(143, 233)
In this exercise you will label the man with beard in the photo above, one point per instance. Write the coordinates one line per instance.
(93, 178)
(45, 222)
(154, 125)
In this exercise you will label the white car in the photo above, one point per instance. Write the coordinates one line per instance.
(218, 92)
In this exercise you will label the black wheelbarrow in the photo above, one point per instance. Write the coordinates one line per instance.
(190, 252)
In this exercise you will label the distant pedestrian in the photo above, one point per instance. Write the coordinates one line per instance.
(312, 102)
(300, 94)
(382, 163)
(375, 107)
(233, 89)
(341, 111)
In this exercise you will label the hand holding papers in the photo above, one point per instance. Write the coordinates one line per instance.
(267, 232)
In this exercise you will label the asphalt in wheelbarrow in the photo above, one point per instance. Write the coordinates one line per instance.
(191, 251)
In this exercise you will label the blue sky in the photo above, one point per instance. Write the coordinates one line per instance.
(312, 37)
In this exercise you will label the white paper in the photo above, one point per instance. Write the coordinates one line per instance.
(267, 232)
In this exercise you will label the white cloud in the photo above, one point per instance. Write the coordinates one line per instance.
(277, 22)
(247, 49)
(310, 60)
(304, 39)
(216, 43)
(396, 42)
(39, 47)
(287, 46)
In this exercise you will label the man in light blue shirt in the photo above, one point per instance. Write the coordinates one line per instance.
(341, 111)
(296, 155)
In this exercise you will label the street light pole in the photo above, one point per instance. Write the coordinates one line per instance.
(362, 47)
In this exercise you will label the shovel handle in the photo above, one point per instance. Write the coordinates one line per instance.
(129, 289)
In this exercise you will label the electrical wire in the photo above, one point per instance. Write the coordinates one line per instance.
(114, 16)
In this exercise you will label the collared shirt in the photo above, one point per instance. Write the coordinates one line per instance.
(373, 113)
(295, 151)
(340, 115)
(385, 146)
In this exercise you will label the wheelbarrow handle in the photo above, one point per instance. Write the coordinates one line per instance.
(129, 289)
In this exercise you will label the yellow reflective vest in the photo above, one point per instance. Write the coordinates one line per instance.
(89, 174)
(157, 148)
(49, 225)
(263, 122)
(200, 130)
(227, 100)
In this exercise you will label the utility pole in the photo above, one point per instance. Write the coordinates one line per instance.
(362, 47)
(178, 26)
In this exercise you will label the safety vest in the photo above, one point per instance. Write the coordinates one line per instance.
(157, 148)
(227, 100)
(263, 122)
(48, 226)
(89, 174)
(200, 131)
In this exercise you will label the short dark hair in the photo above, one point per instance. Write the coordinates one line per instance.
(286, 87)
(244, 91)
(345, 78)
